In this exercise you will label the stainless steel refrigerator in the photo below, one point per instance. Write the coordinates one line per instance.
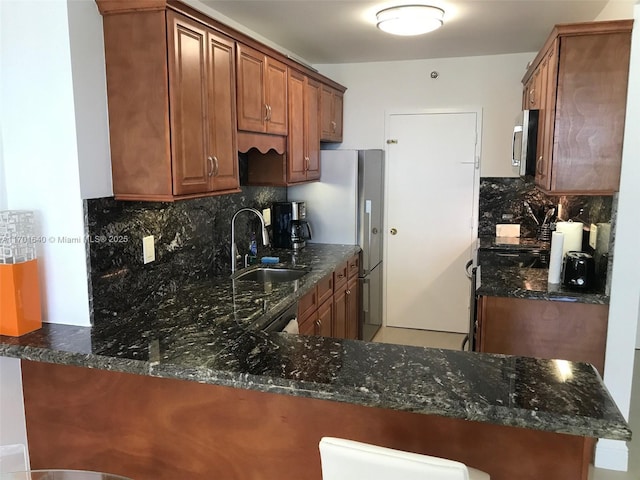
(346, 207)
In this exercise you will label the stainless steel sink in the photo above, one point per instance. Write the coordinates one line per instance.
(271, 274)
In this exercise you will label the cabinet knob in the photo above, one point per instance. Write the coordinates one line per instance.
(348, 292)
(393, 231)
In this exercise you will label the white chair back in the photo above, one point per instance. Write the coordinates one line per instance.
(348, 460)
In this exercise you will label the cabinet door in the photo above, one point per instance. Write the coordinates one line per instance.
(251, 101)
(338, 101)
(308, 325)
(353, 308)
(188, 100)
(276, 96)
(312, 128)
(221, 113)
(546, 123)
(324, 325)
(296, 155)
(593, 73)
(331, 114)
(340, 312)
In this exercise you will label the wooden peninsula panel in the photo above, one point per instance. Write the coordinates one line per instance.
(544, 329)
(150, 428)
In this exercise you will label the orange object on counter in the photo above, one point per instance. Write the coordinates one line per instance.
(20, 310)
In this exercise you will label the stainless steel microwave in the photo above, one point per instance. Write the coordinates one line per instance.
(525, 141)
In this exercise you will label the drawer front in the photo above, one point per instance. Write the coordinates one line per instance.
(325, 289)
(340, 274)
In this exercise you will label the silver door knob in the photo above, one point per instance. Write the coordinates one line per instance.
(393, 231)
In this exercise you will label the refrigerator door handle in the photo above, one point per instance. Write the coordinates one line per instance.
(365, 257)
(365, 295)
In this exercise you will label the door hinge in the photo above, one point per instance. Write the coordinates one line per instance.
(392, 141)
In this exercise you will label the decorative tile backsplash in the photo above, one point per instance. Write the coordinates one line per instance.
(502, 201)
(192, 240)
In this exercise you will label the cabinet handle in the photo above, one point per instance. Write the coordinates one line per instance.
(269, 112)
(334, 125)
(266, 112)
(532, 96)
(216, 169)
(539, 166)
(348, 292)
(211, 167)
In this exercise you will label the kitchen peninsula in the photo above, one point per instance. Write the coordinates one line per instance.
(520, 313)
(188, 387)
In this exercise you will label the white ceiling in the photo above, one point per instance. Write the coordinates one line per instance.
(336, 31)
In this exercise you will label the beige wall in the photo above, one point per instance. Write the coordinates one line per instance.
(492, 83)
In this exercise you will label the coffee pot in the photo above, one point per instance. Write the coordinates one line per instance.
(300, 232)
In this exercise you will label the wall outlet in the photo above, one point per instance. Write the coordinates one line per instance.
(593, 236)
(266, 214)
(148, 249)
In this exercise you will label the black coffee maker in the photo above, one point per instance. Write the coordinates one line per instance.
(290, 228)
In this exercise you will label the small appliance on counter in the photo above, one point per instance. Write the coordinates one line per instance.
(579, 270)
(290, 227)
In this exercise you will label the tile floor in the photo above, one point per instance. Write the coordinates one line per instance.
(425, 338)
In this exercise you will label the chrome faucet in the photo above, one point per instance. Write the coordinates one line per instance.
(234, 249)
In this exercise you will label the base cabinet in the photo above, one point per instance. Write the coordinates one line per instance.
(332, 308)
(544, 329)
(315, 309)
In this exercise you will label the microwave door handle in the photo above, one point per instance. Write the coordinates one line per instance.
(515, 162)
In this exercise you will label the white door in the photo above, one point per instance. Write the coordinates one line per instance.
(431, 194)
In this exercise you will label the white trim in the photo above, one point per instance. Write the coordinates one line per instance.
(612, 455)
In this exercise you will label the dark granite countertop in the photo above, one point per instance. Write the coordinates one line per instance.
(205, 332)
(521, 282)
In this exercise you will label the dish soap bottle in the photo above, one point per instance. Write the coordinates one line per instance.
(253, 246)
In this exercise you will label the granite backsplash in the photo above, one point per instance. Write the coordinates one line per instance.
(192, 241)
(502, 201)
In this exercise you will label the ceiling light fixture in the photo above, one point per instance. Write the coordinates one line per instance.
(410, 20)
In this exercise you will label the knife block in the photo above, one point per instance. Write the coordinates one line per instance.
(20, 310)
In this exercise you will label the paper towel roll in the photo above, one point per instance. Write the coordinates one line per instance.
(292, 327)
(572, 236)
(555, 257)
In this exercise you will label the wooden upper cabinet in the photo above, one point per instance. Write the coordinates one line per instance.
(581, 75)
(262, 92)
(304, 131)
(170, 86)
(202, 98)
(331, 108)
